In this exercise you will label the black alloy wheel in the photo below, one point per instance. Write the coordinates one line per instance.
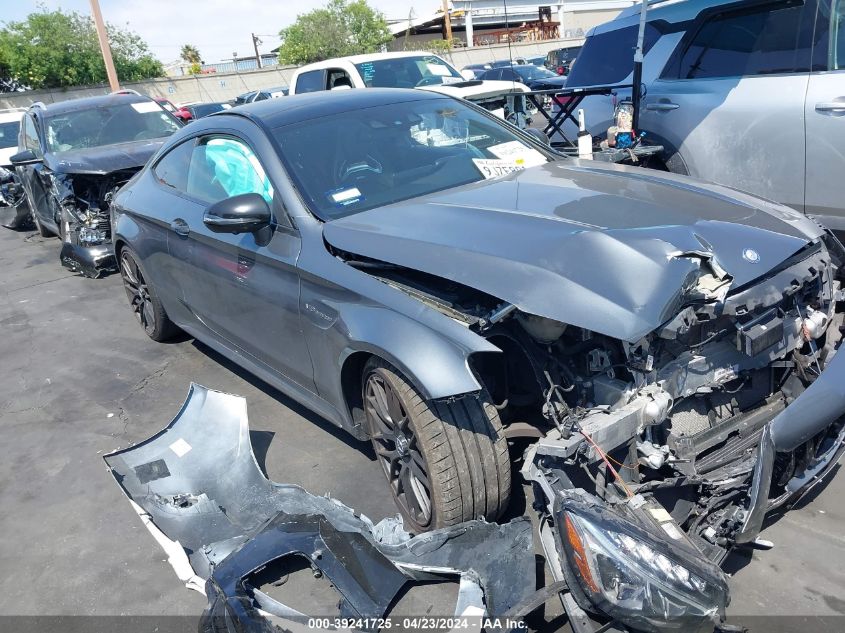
(397, 449)
(137, 292)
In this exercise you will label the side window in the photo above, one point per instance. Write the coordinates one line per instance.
(310, 81)
(762, 40)
(30, 136)
(338, 78)
(606, 57)
(222, 167)
(172, 169)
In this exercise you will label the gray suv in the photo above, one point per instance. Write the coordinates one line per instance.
(747, 94)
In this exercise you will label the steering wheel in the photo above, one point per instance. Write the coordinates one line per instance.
(357, 168)
(430, 80)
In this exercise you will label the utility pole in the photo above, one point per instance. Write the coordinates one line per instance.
(255, 42)
(104, 45)
(447, 21)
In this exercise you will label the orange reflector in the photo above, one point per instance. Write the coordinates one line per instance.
(580, 555)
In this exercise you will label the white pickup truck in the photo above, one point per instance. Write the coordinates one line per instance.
(409, 70)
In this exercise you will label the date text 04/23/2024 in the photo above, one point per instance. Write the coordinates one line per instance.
(423, 623)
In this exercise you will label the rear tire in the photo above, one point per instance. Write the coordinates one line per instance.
(451, 453)
(143, 298)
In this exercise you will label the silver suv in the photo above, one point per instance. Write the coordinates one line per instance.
(747, 94)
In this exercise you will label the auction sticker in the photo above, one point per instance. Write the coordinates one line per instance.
(495, 168)
(145, 106)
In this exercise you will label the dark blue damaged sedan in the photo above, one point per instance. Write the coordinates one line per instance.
(666, 352)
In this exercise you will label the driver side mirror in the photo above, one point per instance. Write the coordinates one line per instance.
(245, 213)
(26, 157)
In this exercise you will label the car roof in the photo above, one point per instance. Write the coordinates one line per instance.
(273, 113)
(671, 11)
(12, 114)
(88, 103)
(371, 57)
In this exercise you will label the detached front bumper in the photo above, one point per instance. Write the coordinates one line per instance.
(91, 261)
(820, 406)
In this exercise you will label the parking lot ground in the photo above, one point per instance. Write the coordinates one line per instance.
(80, 379)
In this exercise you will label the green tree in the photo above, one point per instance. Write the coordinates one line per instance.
(337, 29)
(55, 49)
(190, 54)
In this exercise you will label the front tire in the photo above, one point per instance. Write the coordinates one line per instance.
(446, 462)
(143, 298)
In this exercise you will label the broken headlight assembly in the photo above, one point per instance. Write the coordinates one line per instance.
(629, 575)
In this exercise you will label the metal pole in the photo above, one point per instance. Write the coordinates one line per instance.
(468, 22)
(255, 46)
(447, 20)
(636, 91)
(104, 45)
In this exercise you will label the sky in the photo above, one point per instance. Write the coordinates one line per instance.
(216, 27)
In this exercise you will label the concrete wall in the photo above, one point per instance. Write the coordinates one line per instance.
(225, 86)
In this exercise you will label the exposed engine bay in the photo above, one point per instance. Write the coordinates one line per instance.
(665, 451)
(83, 202)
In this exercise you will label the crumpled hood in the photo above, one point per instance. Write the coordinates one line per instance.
(104, 159)
(592, 246)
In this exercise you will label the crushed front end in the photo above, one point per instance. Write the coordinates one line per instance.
(652, 458)
(83, 202)
(667, 452)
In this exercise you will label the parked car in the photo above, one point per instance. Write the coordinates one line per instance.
(537, 60)
(535, 77)
(166, 104)
(10, 125)
(760, 117)
(261, 95)
(407, 70)
(434, 280)
(193, 111)
(73, 156)
(475, 69)
(560, 60)
(514, 61)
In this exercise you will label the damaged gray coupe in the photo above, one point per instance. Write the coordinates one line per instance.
(74, 155)
(440, 283)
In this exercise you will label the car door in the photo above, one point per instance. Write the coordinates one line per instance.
(245, 287)
(730, 100)
(31, 176)
(162, 236)
(825, 116)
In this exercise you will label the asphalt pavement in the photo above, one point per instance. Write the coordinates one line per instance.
(80, 379)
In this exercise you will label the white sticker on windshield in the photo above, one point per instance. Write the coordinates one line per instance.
(438, 69)
(495, 168)
(146, 106)
(517, 152)
(346, 196)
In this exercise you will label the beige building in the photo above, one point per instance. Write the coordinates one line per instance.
(491, 22)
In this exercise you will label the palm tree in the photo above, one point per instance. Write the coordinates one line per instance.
(190, 54)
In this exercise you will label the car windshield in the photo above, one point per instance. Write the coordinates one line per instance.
(9, 134)
(354, 161)
(407, 72)
(207, 108)
(530, 73)
(108, 125)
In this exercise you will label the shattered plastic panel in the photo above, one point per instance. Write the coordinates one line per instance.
(198, 489)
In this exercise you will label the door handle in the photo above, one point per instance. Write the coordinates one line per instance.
(832, 106)
(180, 227)
(662, 106)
